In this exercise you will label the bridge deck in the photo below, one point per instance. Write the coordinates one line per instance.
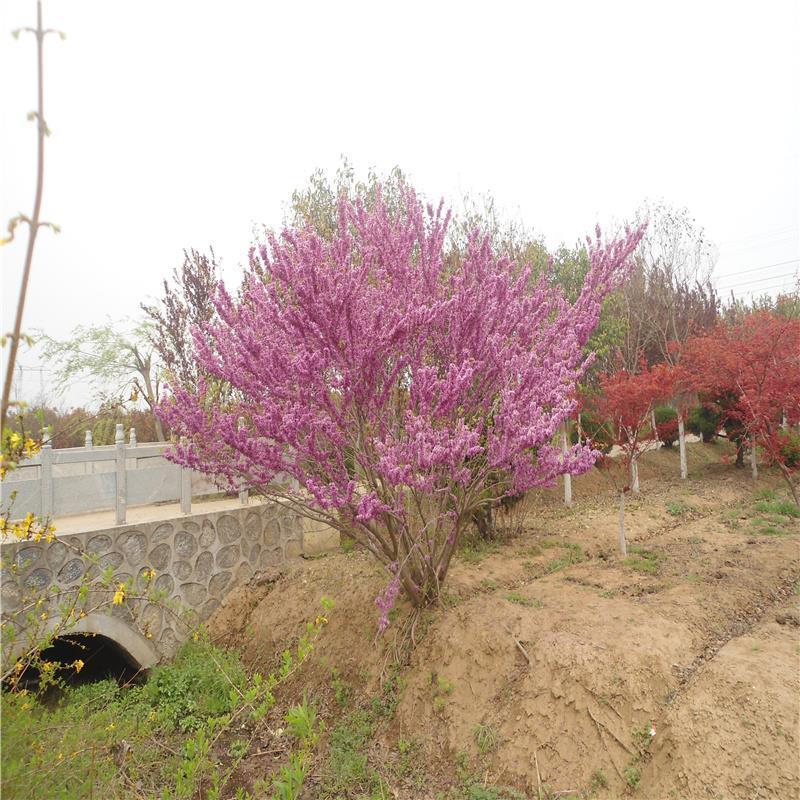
(136, 515)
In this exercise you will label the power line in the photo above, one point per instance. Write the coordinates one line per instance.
(759, 280)
(765, 289)
(763, 266)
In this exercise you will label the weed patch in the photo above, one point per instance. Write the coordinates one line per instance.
(678, 508)
(347, 768)
(474, 549)
(784, 508)
(485, 739)
(644, 561)
(516, 597)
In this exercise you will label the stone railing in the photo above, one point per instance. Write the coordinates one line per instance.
(76, 480)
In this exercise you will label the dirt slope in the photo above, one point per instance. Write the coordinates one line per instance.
(551, 661)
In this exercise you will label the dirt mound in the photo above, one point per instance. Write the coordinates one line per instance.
(740, 713)
(558, 669)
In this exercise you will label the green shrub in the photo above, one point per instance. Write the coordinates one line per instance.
(598, 430)
(704, 421)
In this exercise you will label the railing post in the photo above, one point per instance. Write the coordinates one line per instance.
(122, 482)
(88, 444)
(132, 439)
(46, 488)
(243, 494)
(186, 486)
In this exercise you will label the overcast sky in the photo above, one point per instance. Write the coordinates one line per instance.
(178, 124)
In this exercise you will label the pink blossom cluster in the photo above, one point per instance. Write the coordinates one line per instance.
(384, 385)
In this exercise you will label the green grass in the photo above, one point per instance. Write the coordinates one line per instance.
(573, 555)
(347, 772)
(516, 597)
(768, 515)
(65, 749)
(546, 544)
(784, 508)
(633, 776)
(598, 781)
(765, 494)
(677, 508)
(348, 769)
(473, 786)
(485, 739)
(769, 530)
(473, 549)
(773, 517)
(644, 561)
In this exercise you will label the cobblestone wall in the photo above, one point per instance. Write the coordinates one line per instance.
(197, 559)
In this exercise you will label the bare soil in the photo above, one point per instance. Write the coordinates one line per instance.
(557, 668)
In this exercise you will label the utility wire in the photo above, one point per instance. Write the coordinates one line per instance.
(765, 289)
(759, 280)
(763, 266)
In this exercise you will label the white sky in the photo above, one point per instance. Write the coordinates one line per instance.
(179, 124)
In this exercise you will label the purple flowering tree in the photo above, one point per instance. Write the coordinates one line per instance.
(373, 385)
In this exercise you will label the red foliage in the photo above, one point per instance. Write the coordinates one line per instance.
(668, 431)
(628, 398)
(755, 362)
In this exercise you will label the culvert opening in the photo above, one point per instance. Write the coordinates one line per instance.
(102, 658)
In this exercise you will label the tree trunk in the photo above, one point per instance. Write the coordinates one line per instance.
(753, 459)
(682, 446)
(33, 223)
(623, 546)
(152, 401)
(653, 424)
(739, 452)
(567, 476)
(787, 476)
(634, 475)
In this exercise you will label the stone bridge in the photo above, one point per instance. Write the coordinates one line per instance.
(197, 559)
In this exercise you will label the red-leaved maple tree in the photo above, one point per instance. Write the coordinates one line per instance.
(756, 362)
(626, 402)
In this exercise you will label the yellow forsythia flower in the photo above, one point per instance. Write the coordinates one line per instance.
(78, 665)
(15, 439)
(119, 596)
